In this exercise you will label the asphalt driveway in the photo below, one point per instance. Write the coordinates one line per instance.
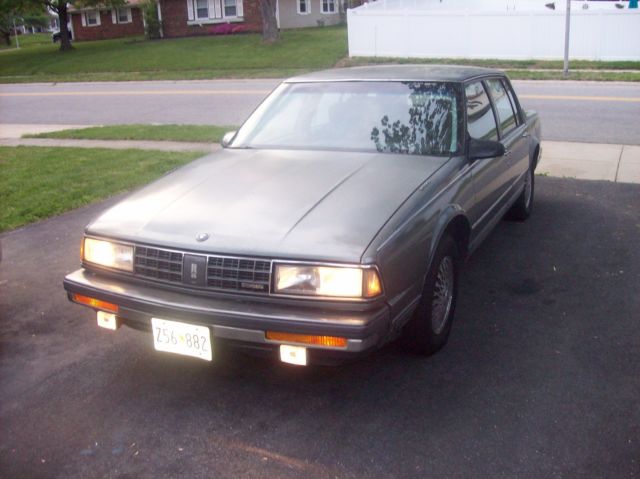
(541, 377)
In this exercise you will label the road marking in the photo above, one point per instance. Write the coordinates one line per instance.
(581, 98)
(136, 93)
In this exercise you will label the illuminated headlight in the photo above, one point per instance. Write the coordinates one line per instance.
(343, 282)
(108, 254)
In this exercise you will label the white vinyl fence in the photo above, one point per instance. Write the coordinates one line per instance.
(425, 28)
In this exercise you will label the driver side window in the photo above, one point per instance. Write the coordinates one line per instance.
(481, 122)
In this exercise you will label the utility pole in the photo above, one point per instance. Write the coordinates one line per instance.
(567, 27)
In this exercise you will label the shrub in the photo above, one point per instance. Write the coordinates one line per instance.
(153, 27)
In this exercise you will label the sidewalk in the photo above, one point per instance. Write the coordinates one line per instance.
(584, 161)
(591, 161)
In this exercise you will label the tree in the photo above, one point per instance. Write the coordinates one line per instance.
(60, 7)
(40, 19)
(11, 11)
(6, 26)
(270, 32)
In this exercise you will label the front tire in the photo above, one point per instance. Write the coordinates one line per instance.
(428, 331)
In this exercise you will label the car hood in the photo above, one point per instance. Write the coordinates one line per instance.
(321, 205)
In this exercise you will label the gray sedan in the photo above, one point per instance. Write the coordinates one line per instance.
(336, 219)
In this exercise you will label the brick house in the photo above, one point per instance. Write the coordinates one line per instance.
(181, 18)
(103, 23)
(200, 17)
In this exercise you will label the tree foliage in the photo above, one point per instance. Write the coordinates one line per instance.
(22, 12)
(10, 9)
(429, 130)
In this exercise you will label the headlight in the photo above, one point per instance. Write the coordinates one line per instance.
(343, 282)
(107, 253)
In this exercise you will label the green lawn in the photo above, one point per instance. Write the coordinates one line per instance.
(502, 64)
(239, 56)
(184, 58)
(194, 133)
(36, 183)
(29, 41)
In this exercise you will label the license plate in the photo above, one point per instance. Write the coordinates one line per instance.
(181, 338)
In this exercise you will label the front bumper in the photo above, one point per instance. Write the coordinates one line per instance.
(240, 322)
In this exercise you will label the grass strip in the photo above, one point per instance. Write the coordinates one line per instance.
(502, 64)
(188, 133)
(523, 69)
(574, 75)
(215, 56)
(36, 182)
(244, 56)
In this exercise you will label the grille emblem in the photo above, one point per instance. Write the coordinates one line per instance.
(194, 270)
(202, 237)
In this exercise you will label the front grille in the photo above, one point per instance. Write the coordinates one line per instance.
(238, 274)
(223, 272)
(158, 264)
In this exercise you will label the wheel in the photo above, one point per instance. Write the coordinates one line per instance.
(428, 330)
(523, 206)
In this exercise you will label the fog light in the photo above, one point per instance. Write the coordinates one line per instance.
(107, 320)
(293, 355)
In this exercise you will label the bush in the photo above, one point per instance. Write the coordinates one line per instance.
(153, 28)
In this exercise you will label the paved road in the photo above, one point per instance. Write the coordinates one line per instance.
(540, 378)
(571, 111)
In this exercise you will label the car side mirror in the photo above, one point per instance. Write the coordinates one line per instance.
(482, 149)
(228, 138)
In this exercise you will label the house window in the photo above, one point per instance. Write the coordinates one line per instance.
(123, 15)
(213, 11)
(328, 6)
(91, 18)
(230, 9)
(202, 9)
(303, 7)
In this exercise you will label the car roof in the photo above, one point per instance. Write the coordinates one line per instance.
(449, 73)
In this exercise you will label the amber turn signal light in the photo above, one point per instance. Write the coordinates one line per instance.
(95, 303)
(329, 341)
(372, 285)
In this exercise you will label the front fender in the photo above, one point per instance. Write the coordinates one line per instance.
(447, 222)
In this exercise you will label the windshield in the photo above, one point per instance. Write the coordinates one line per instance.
(417, 118)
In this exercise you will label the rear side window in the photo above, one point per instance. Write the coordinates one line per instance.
(506, 114)
(481, 123)
(514, 104)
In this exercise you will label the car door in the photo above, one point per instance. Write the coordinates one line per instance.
(513, 135)
(489, 178)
